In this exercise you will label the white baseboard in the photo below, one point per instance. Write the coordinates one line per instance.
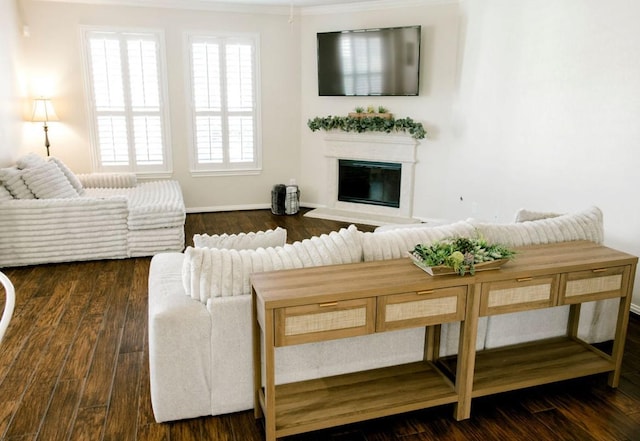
(227, 208)
(635, 309)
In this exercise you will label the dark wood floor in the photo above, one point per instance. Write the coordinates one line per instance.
(73, 366)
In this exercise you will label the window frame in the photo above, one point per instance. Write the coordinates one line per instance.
(163, 170)
(226, 167)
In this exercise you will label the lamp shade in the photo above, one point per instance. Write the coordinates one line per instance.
(43, 111)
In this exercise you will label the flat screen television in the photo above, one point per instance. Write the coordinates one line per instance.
(369, 62)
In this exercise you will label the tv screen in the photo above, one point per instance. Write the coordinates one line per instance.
(369, 62)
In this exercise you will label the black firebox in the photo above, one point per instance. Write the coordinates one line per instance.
(367, 182)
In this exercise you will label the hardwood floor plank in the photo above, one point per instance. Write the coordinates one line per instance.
(61, 411)
(89, 424)
(83, 348)
(97, 389)
(74, 366)
(122, 416)
(135, 326)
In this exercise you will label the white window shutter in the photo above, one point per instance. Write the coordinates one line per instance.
(223, 88)
(127, 89)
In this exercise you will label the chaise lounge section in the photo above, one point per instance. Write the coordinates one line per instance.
(50, 215)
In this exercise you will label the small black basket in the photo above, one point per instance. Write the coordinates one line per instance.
(278, 199)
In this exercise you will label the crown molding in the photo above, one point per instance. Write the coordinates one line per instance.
(370, 6)
(246, 8)
(199, 5)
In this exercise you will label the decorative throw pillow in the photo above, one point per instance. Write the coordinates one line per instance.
(394, 244)
(11, 177)
(217, 272)
(29, 160)
(585, 225)
(242, 241)
(4, 194)
(47, 181)
(523, 215)
(73, 179)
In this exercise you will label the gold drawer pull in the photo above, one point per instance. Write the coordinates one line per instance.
(599, 270)
(422, 293)
(524, 279)
(326, 305)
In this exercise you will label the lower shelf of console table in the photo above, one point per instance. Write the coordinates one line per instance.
(531, 364)
(343, 399)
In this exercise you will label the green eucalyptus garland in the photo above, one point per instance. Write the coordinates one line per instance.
(368, 124)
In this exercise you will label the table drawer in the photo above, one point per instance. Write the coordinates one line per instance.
(421, 308)
(518, 294)
(324, 321)
(596, 284)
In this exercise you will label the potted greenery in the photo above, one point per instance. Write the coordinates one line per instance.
(460, 255)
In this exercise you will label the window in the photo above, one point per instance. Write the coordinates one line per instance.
(127, 93)
(224, 103)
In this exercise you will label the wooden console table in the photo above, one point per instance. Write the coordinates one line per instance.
(298, 306)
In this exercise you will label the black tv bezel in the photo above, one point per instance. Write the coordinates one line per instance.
(419, 28)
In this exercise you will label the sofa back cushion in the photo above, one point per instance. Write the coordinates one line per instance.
(4, 193)
(242, 241)
(585, 225)
(47, 181)
(11, 177)
(216, 272)
(394, 244)
(73, 179)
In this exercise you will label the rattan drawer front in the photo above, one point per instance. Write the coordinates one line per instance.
(324, 321)
(518, 294)
(583, 286)
(421, 308)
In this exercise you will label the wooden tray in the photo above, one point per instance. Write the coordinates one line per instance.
(442, 270)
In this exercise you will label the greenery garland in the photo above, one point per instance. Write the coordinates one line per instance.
(368, 124)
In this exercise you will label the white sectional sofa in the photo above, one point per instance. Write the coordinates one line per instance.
(48, 214)
(200, 350)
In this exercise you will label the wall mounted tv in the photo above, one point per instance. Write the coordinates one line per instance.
(369, 62)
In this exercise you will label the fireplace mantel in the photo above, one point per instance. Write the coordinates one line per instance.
(396, 148)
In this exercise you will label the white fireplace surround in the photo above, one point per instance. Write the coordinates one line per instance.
(369, 147)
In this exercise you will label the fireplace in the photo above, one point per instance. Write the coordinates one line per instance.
(376, 204)
(369, 182)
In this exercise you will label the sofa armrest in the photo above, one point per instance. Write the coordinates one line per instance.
(179, 344)
(108, 180)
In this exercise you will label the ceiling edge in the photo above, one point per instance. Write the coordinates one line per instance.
(222, 6)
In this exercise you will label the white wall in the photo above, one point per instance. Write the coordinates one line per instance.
(440, 23)
(547, 114)
(10, 96)
(53, 51)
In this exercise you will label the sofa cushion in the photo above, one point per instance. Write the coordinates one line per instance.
(395, 244)
(155, 204)
(29, 160)
(4, 193)
(46, 181)
(73, 179)
(215, 272)
(11, 177)
(585, 225)
(242, 241)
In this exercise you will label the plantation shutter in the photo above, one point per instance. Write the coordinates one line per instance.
(224, 102)
(126, 86)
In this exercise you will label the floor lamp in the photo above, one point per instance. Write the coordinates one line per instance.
(43, 112)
